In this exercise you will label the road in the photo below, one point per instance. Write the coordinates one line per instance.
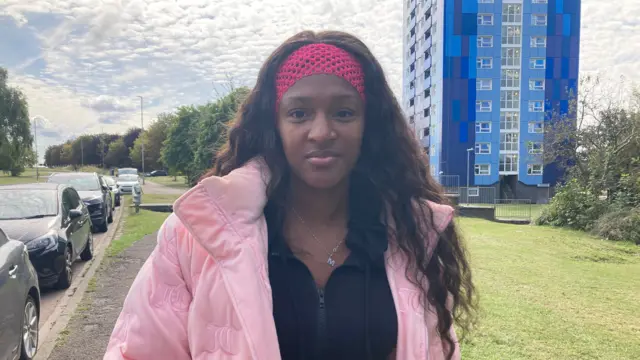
(154, 188)
(50, 298)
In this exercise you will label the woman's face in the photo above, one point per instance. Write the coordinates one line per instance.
(321, 122)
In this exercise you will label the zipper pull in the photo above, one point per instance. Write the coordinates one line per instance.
(321, 298)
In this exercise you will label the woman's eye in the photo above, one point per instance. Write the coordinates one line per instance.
(298, 114)
(344, 113)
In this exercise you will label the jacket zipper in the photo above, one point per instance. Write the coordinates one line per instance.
(322, 321)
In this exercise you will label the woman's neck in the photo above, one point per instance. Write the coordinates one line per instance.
(320, 207)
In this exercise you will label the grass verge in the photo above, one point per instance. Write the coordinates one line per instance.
(135, 227)
(178, 182)
(548, 293)
(159, 198)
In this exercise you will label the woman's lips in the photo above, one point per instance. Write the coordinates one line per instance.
(322, 161)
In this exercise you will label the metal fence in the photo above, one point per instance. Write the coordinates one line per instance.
(477, 195)
(513, 209)
(450, 183)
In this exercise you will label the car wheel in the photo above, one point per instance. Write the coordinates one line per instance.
(110, 218)
(118, 201)
(87, 253)
(66, 275)
(30, 330)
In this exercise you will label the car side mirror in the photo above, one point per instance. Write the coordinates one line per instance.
(75, 213)
(106, 188)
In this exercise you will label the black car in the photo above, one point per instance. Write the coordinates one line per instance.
(53, 223)
(157, 173)
(95, 193)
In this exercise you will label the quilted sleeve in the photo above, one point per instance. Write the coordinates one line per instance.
(153, 321)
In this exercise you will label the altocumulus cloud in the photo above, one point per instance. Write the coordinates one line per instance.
(96, 56)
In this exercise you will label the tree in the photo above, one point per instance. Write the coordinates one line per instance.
(598, 140)
(153, 139)
(66, 154)
(178, 150)
(16, 140)
(130, 137)
(118, 154)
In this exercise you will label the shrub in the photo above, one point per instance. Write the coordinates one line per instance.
(620, 225)
(573, 206)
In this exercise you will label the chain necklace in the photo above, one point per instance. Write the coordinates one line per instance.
(330, 261)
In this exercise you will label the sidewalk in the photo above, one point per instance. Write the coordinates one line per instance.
(88, 332)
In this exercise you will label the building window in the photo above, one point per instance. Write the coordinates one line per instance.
(511, 13)
(425, 132)
(412, 67)
(536, 84)
(509, 142)
(509, 163)
(537, 63)
(484, 84)
(534, 147)
(510, 57)
(483, 148)
(427, 73)
(538, 42)
(484, 63)
(483, 105)
(412, 84)
(538, 1)
(534, 169)
(511, 34)
(473, 191)
(509, 120)
(427, 93)
(485, 41)
(510, 78)
(536, 106)
(510, 99)
(482, 169)
(536, 127)
(411, 101)
(539, 19)
(483, 127)
(427, 112)
(485, 19)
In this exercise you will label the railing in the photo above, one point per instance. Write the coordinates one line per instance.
(450, 183)
(513, 209)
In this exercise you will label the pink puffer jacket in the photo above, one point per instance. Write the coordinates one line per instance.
(204, 292)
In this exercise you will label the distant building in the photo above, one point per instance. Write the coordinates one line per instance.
(483, 76)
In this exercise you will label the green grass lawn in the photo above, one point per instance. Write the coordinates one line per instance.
(136, 226)
(30, 175)
(549, 293)
(177, 182)
(159, 198)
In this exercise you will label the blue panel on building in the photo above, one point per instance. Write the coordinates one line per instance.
(455, 110)
(565, 68)
(559, 6)
(454, 46)
(566, 24)
(469, 24)
(464, 67)
(469, 6)
(463, 135)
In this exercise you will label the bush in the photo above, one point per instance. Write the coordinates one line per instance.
(573, 206)
(620, 225)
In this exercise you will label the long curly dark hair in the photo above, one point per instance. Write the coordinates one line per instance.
(391, 160)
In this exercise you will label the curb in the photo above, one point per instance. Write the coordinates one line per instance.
(65, 309)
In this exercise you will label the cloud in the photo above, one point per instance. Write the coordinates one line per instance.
(99, 55)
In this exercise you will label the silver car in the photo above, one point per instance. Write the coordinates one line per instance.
(20, 299)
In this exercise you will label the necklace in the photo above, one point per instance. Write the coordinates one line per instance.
(330, 261)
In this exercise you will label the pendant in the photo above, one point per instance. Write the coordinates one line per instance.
(331, 262)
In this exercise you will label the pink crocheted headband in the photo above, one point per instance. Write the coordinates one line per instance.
(316, 59)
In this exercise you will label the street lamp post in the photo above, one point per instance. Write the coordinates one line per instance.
(469, 150)
(35, 140)
(142, 142)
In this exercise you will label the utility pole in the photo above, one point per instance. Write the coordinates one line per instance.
(102, 146)
(142, 142)
(469, 150)
(81, 152)
(35, 140)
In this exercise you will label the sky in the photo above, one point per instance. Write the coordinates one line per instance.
(83, 63)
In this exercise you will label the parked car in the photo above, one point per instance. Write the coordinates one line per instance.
(95, 194)
(126, 182)
(53, 223)
(157, 173)
(111, 183)
(20, 299)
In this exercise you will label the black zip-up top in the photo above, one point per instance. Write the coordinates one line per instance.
(354, 316)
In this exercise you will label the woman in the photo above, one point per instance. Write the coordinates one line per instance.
(319, 234)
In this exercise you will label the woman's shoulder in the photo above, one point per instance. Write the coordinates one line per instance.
(442, 214)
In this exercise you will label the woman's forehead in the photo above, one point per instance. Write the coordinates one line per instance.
(320, 86)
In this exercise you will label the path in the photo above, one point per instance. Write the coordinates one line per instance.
(50, 298)
(88, 332)
(154, 188)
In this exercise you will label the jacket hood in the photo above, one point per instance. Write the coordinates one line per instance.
(26, 230)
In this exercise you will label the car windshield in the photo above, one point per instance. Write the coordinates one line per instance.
(128, 178)
(79, 182)
(109, 181)
(27, 203)
(127, 172)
